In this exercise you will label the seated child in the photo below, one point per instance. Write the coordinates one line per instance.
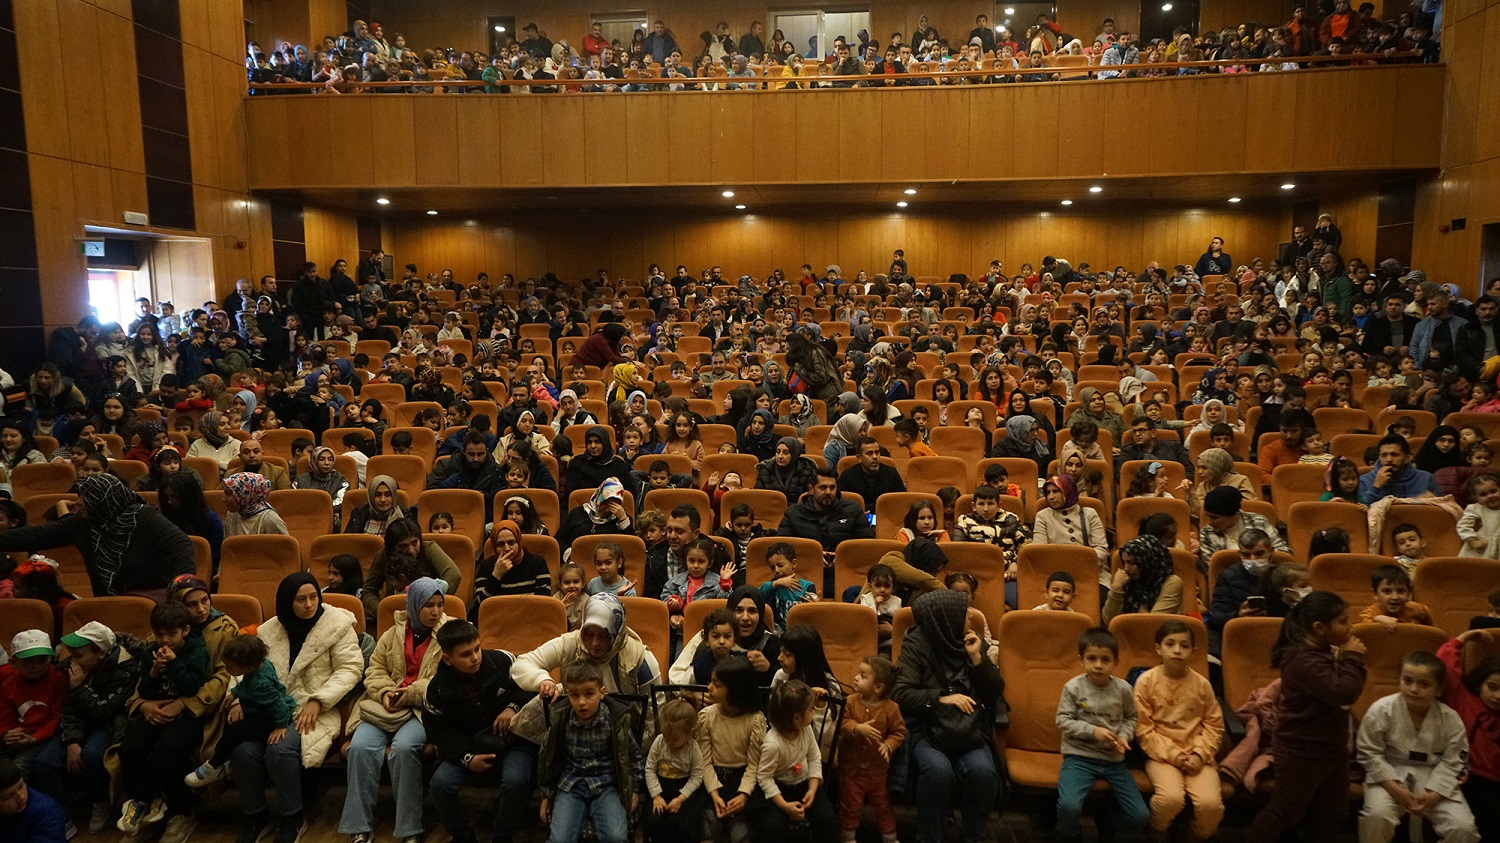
(717, 645)
(1179, 727)
(989, 523)
(32, 692)
(879, 594)
(730, 734)
(1097, 718)
(741, 530)
(872, 729)
(401, 442)
(695, 582)
(155, 758)
(785, 589)
(345, 576)
(1085, 440)
(95, 704)
(609, 562)
(1415, 753)
(790, 769)
(909, 436)
(590, 768)
(571, 592)
(1393, 603)
(264, 712)
(921, 520)
(997, 477)
(29, 814)
(1411, 547)
(1315, 451)
(1058, 593)
(1480, 525)
(651, 528)
(674, 775)
(440, 522)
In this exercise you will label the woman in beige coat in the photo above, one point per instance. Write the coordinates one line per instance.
(1215, 469)
(387, 721)
(316, 654)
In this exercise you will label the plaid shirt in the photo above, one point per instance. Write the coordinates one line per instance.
(590, 766)
(1211, 541)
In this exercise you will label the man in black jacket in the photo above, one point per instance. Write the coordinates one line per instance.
(471, 701)
(667, 560)
(1144, 444)
(1478, 340)
(1389, 332)
(822, 516)
(473, 469)
(871, 478)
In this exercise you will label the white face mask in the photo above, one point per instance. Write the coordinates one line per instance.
(1293, 596)
(1256, 566)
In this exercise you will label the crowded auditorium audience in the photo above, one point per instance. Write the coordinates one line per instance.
(1043, 52)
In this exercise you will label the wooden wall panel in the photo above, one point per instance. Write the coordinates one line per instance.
(330, 235)
(952, 133)
(625, 243)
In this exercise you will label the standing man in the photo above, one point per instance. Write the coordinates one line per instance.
(752, 43)
(1435, 337)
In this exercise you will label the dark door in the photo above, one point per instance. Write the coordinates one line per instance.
(1160, 17)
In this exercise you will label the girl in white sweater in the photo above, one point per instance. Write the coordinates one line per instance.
(1480, 526)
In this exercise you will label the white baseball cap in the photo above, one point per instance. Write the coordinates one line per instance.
(94, 633)
(32, 642)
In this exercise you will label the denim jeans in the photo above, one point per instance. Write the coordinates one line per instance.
(936, 773)
(367, 752)
(1078, 774)
(571, 808)
(255, 762)
(50, 769)
(512, 772)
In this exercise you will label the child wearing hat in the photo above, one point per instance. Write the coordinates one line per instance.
(102, 674)
(31, 697)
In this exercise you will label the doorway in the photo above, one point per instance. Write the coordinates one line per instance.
(621, 28)
(502, 33)
(811, 32)
(1159, 18)
(1489, 254)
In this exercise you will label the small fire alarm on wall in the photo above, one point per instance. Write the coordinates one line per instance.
(137, 218)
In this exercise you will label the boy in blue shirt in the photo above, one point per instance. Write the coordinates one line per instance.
(785, 589)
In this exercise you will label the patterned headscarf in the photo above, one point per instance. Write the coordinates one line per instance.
(1154, 563)
(610, 489)
(605, 611)
(210, 426)
(250, 491)
(1065, 484)
(112, 511)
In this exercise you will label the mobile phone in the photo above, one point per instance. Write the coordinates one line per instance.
(1256, 601)
(870, 516)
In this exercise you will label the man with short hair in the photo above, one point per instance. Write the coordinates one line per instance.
(1119, 53)
(870, 478)
(252, 459)
(1479, 340)
(1438, 333)
(1390, 333)
(1299, 247)
(1142, 443)
(1337, 287)
(1394, 475)
(669, 559)
(845, 65)
(594, 44)
(659, 43)
(825, 517)
(533, 43)
(473, 469)
(984, 33)
(752, 43)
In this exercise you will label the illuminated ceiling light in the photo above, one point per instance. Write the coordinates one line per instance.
(499, 29)
(1288, 186)
(739, 207)
(1096, 189)
(432, 213)
(382, 201)
(728, 194)
(1166, 7)
(901, 204)
(1067, 201)
(1010, 10)
(1234, 199)
(911, 191)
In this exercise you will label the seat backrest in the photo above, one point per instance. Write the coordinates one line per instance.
(809, 559)
(891, 509)
(582, 550)
(546, 547)
(1295, 483)
(351, 604)
(768, 505)
(461, 550)
(665, 500)
(652, 622)
(245, 610)
(408, 470)
(385, 615)
(986, 564)
(1043, 648)
(952, 440)
(423, 444)
(43, 478)
(465, 505)
(928, 474)
(1386, 646)
(1035, 562)
(122, 614)
(1130, 511)
(1439, 528)
(308, 514)
(849, 631)
(1347, 575)
(1455, 589)
(21, 614)
(1308, 517)
(358, 545)
(520, 622)
(256, 565)
(853, 558)
(1136, 633)
(1247, 644)
(278, 443)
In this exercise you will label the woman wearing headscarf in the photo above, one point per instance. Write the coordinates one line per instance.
(604, 513)
(1215, 384)
(944, 679)
(597, 463)
(1064, 521)
(383, 508)
(602, 348)
(180, 499)
(386, 724)
(525, 428)
(243, 405)
(570, 412)
(406, 558)
(507, 568)
(372, 418)
(918, 567)
(799, 414)
(774, 382)
(1215, 468)
(844, 436)
(787, 471)
(1441, 450)
(1024, 440)
(322, 474)
(313, 410)
(625, 381)
(602, 639)
(250, 514)
(216, 443)
(753, 639)
(1094, 407)
(316, 654)
(759, 436)
(1144, 581)
(127, 546)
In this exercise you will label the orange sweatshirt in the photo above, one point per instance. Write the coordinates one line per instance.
(1177, 716)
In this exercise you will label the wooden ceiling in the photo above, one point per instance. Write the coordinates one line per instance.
(1199, 192)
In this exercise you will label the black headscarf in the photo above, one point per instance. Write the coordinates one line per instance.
(757, 639)
(941, 616)
(1430, 459)
(922, 552)
(296, 628)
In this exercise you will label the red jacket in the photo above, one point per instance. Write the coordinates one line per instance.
(34, 707)
(1480, 721)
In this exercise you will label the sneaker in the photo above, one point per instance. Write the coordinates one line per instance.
(156, 813)
(254, 828)
(70, 830)
(131, 816)
(179, 828)
(361, 837)
(291, 829)
(99, 817)
(206, 774)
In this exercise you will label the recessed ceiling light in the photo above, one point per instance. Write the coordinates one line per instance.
(728, 194)
(1010, 10)
(1067, 201)
(1234, 199)
(911, 191)
(382, 201)
(1288, 186)
(499, 29)
(901, 204)
(739, 207)
(432, 213)
(1166, 7)
(1096, 189)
